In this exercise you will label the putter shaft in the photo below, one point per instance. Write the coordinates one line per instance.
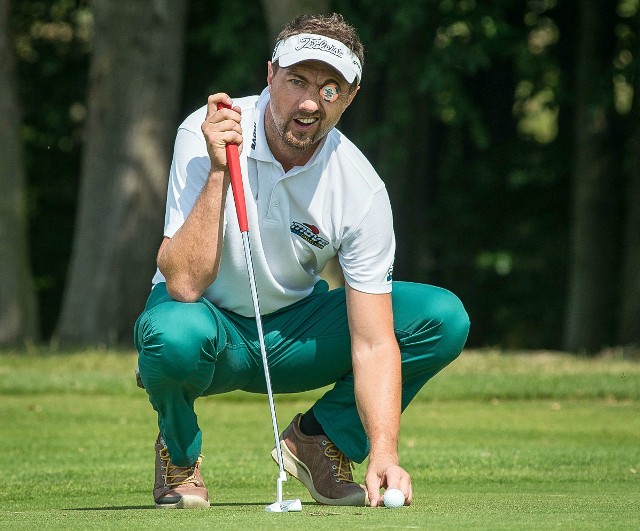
(263, 351)
(235, 173)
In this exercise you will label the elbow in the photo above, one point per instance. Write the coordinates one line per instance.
(184, 284)
(183, 291)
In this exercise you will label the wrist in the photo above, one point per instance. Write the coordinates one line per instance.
(385, 454)
(218, 172)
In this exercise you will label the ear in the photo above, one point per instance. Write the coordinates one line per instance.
(269, 73)
(351, 96)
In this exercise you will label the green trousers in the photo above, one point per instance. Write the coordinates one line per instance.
(190, 350)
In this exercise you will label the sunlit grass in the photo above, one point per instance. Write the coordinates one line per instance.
(498, 441)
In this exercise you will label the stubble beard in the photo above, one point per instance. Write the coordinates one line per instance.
(291, 142)
(287, 140)
(296, 144)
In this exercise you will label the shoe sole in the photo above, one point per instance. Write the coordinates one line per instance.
(299, 470)
(185, 502)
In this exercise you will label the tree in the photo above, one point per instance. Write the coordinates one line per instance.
(279, 12)
(135, 80)
(480, 116)
(629, 325)
(18, 308)
(593, 271)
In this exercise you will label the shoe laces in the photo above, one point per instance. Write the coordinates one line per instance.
(178, 475)
(343, 464)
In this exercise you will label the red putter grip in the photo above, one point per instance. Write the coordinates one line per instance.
(233, 161)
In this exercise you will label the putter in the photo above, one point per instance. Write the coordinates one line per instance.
(235, 174)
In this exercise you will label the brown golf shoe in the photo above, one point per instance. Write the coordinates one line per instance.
(320, 466)
(177, 487)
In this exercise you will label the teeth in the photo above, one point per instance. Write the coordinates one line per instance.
(306, 121)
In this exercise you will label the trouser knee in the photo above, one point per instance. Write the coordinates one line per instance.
(429, 321)
(454, 327)
(177, 343)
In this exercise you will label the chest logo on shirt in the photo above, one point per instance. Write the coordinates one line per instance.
(309, 233)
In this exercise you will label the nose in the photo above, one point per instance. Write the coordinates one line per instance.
(310, 103)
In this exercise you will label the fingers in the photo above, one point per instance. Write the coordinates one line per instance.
(213, 101)
(373, 485)
(405, 486)
(389, 477)
(221, 120)
(221, 127)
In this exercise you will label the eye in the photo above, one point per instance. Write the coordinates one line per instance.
(296, 82)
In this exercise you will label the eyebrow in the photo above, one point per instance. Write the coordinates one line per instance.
(331, 79)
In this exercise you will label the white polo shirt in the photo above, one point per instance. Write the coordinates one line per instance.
(298, 220)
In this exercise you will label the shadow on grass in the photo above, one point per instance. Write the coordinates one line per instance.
(146, 507)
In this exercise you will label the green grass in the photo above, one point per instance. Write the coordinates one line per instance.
(542, 441)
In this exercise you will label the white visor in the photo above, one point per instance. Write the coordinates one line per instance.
(308, 47)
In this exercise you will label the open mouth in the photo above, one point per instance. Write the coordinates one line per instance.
(305, 122)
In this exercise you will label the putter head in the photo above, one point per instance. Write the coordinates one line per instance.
(285, 506)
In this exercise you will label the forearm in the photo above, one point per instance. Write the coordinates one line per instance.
(378, 387)
(190, 260)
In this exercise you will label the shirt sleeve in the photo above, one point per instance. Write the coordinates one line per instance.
(367, 253)
(189, 170)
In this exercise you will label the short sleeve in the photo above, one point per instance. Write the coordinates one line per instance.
(367, 253)
(189, 170)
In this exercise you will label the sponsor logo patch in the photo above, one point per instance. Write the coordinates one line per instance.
(309, 233)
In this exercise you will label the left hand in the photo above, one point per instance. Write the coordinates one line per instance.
(387, 475)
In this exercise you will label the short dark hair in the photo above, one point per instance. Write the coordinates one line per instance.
(333, 26)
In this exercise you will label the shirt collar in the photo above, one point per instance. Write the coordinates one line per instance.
(259, 147)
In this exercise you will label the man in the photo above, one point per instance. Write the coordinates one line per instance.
(310, 195)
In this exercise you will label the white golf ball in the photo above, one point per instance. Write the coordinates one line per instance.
(393, 498)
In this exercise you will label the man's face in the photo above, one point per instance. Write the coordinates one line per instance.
(301, 115)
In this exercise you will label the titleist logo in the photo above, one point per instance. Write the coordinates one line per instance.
(318, 43)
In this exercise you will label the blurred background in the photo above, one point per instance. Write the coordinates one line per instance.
(507, 133)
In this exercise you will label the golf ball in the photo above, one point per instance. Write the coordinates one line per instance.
(393, 498)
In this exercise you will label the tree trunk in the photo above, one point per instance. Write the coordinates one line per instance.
(18, 307)
(134, 86)
(589, 312)
(629, 334)
(279, 12)
(629, 327)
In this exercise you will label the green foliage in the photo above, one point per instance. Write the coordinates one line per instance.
(465, 110)
(496, 199)
(227, 51)
(52, 44)
(467, 128)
